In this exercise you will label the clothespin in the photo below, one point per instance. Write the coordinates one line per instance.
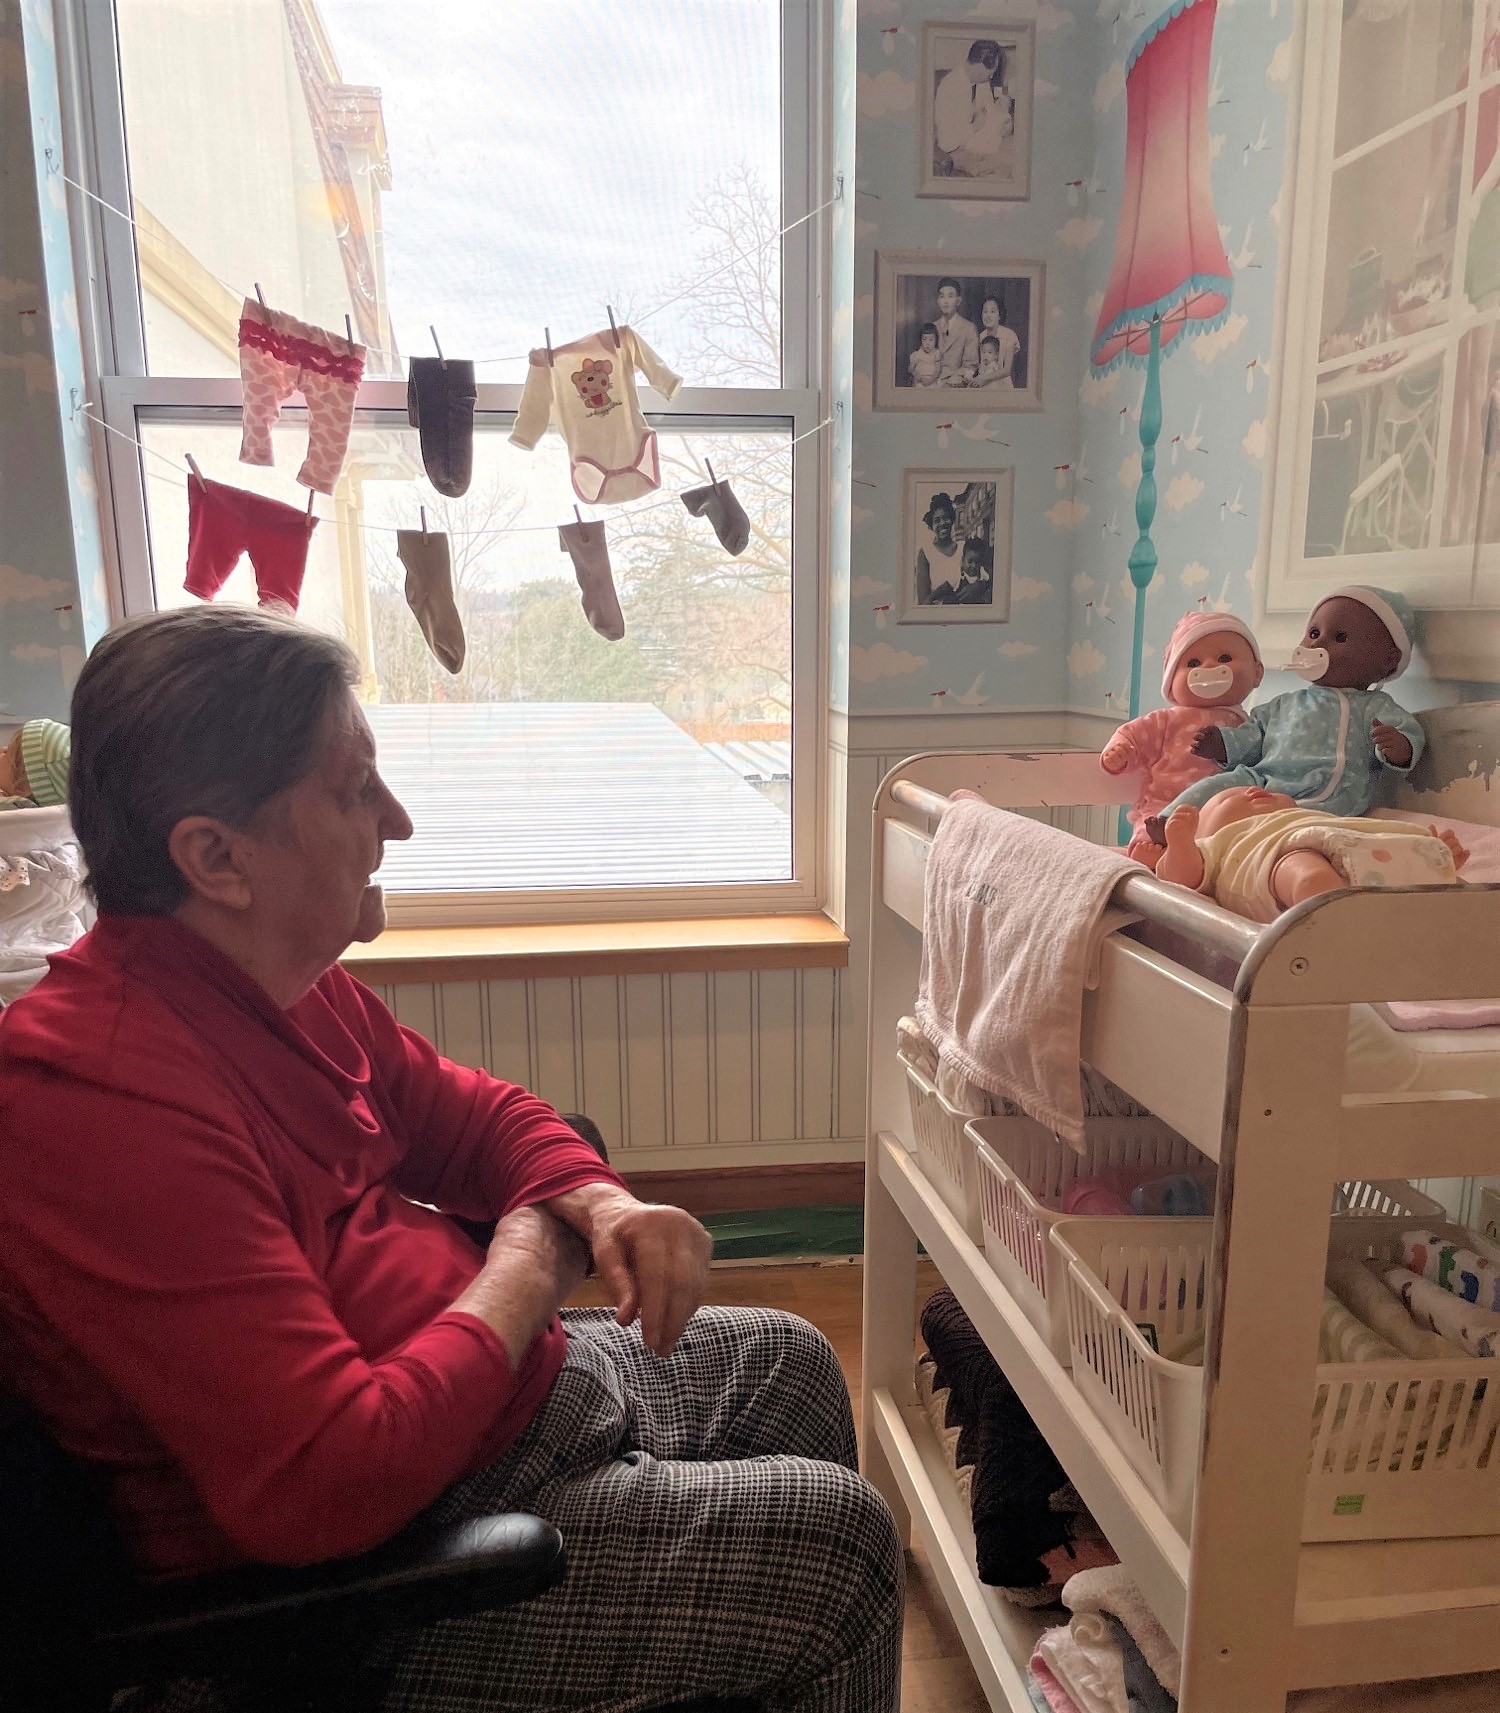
(582, 527)
(423, 510)
(711, 476)
(441, 358)
(260, 294)
(613, 329)
(310, 493)
(192, 464)
(349, 334)
(547, 335)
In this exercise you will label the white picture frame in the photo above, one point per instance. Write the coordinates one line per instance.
(944, 580)
(995, 329)
(973, 132)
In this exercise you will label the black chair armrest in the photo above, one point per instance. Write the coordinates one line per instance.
(420, 1577)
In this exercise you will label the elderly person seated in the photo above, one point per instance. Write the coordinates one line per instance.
(232, 1277)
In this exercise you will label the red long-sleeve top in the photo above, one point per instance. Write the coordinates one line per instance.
(216, 1281)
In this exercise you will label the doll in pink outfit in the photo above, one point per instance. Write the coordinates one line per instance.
(1212, 663)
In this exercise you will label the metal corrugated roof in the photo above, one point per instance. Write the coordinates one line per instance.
(568, 794)
(757, 758)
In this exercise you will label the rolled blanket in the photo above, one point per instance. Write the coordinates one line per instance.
(1464, 1272)
(1344, 1338)
(1113, 1591)
(1085, 1659)
(1440, 1311)
(1372, 1301)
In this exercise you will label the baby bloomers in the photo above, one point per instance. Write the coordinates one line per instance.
(279, 356)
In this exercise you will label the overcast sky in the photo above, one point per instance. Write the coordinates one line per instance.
(543, 164)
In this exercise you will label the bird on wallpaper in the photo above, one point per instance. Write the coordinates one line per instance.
(1192, 441)
(1112, 527)
(1255, 366)
(1234, 507)
(971, 698)
(1223, 603)
(1216, 95)
(979, 429)
(888, 40)
(1244, 257)
(1259, 146)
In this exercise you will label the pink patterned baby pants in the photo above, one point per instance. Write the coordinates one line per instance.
(279, 356)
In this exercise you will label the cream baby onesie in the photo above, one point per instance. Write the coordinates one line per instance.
(1239, 858)
(589, 391)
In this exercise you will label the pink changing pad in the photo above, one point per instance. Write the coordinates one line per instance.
(1482, 868)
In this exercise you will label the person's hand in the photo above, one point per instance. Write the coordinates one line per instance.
(1115, 758)
(1393, 746)
(653, 1259)
(1208, 743)
(1460, 854)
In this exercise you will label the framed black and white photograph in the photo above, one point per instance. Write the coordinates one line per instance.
(957, 334)
(955, 546)
(976, 89)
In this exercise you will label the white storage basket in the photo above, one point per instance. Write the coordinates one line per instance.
(1023, 1168)
(1397, 1451)
(944, 1152)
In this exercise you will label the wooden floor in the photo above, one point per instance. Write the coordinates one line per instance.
(936, 1676)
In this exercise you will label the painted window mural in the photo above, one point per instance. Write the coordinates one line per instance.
(1393, 359)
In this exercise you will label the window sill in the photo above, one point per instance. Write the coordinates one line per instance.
(526, 951)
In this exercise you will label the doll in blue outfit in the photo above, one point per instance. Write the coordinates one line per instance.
(1324, 746)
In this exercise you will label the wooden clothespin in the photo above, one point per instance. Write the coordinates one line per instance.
(441, 358)
(423, 511)
(609, 309)
(192, 464)
(260, 294)
(711, 476)
(547, 335)
(349, 334)
(583, 533)
(310, 493)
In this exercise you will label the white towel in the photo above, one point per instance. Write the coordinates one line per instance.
(1086, 1660)
(1014, 916)
(1112, 1589)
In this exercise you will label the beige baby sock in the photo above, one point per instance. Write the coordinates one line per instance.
(717, 502)
(586, 544)
(429, 593)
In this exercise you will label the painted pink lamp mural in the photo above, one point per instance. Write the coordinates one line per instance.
(1170, 275)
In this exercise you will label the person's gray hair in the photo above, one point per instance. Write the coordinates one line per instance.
(202, 711)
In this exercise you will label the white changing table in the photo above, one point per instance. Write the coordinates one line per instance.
(1252, 1074)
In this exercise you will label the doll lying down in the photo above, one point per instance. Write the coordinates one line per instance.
(1258, 854)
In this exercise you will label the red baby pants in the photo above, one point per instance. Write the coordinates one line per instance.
(225, 522)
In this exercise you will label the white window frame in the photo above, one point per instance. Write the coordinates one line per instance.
(1458, 594)
(128, 397)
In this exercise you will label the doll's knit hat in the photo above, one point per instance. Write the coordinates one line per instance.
(1189, 628)
(1393, 611)
(46, 749)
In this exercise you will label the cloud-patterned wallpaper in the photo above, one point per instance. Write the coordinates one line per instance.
(52, 592)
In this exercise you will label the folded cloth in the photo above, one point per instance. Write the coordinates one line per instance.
(1438, 1310)
(1014, 915)
(1463, 1271)
(1372, 1301)
(1054, 1698)
(1084, 1658)
(961, 1094)
(1343, 1337)
(1015, 1470)
(1144, 1692)
(1416, 1016)
(1113, 1591)
(914, 1049)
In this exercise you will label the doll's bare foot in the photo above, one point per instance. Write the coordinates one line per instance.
(1182, 862)
(1301, 875)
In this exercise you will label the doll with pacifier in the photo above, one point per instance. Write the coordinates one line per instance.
(1258, 852)
(1211, 665)
(1324, 746)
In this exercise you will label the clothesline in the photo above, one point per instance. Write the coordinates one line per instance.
(516, 356)
(179, 480)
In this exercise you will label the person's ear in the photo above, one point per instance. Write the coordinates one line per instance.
(209, 857)
(1260, 673)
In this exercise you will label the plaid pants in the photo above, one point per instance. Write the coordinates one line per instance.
(719, 1541)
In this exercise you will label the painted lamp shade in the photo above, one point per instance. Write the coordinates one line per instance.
(1169, 263)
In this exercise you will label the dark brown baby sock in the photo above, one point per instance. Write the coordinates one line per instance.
(717, 503)
(429, 593)
(586, 545)
(440, 406)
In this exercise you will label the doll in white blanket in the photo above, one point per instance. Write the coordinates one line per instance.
(1258, 853)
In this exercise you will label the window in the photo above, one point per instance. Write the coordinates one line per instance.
(491, 174)
(1390, 385)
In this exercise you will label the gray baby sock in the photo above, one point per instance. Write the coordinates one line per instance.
(586, 545)
(717, 503)
(429, 593)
